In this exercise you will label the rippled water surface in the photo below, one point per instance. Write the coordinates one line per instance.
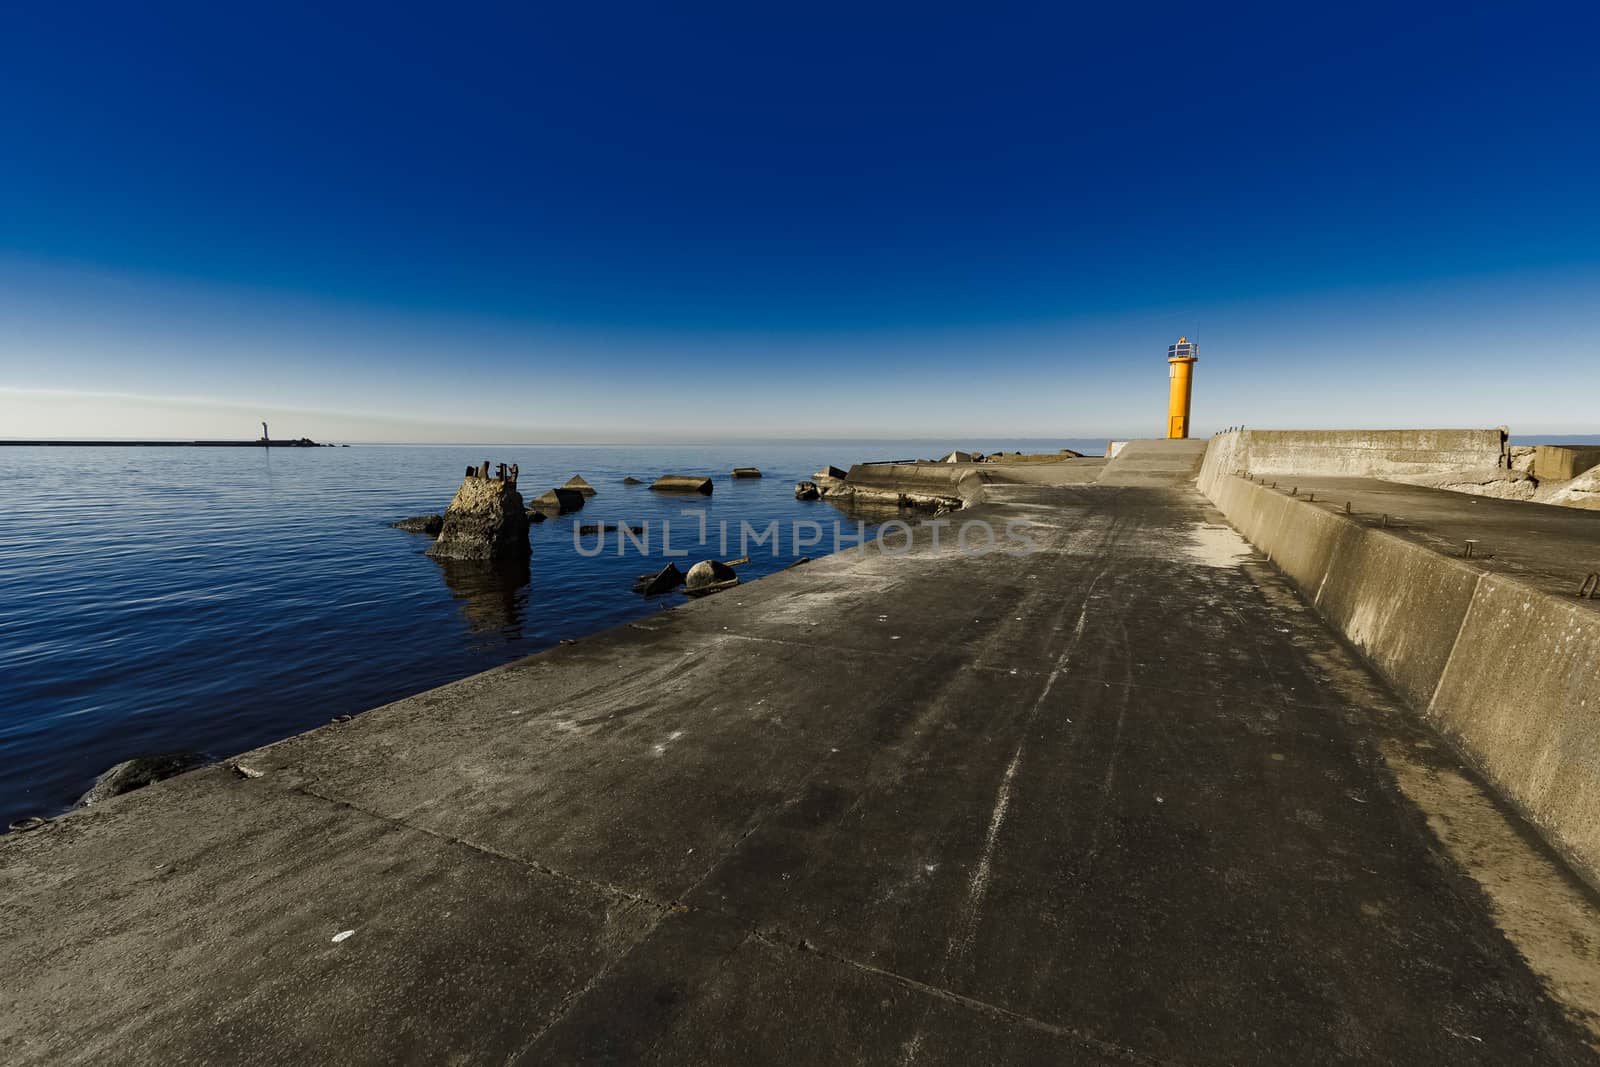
(211, 600)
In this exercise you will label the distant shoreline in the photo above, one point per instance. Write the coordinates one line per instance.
(301, 443)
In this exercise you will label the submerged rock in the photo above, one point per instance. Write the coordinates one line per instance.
(665, 580)
(137, 773)
(746, 472)
(423, 524)
(486, 520)
(606, 527)
(807, 491)
(709, 576)
(631, 480)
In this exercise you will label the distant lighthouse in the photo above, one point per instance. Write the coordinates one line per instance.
(1181, 359)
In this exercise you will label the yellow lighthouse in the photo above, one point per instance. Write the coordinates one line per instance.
(1181, 359)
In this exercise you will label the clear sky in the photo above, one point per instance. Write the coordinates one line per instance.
(568, 222)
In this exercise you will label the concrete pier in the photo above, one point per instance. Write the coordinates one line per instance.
(1127, 798)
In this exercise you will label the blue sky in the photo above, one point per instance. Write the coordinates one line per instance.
(576, 222)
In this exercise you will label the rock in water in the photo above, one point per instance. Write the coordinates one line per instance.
(682, 483)
(665, 580)
(137, 773)
(486, 520)
(806, 491)
(631, 480)
(577, 482)
(709, 576)
(746, 472)
(559, 501)
(423, 524)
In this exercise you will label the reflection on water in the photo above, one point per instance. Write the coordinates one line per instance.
(494, 594)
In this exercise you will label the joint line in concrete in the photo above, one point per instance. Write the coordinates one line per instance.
(778, 940)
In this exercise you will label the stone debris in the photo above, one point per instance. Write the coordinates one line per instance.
(807, 491)
(577, 482)
(1560, 475)
(486, 520)
(1487, 481)
(137, 773)
(631, 480)
(682, 483)
(1581, 492)
(746, 472)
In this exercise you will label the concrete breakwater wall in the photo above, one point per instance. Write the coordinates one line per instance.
(1561, 463)
(1365, 452)
(927, 484)
(1510, 672)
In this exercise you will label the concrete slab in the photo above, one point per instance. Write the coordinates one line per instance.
(1154, 463)
(200, 921)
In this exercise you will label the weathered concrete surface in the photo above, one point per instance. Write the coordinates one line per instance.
(959, 484)
(919, 483)
(1365, 452)
(1497, 649)
(1154, 463)
(1125, 799)
(1560, 463)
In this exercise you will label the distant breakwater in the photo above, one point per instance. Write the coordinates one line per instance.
(303, 442)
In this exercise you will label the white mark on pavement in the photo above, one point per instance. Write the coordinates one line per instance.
(660, 747)
(1216, 546)
(978, 887)
(343, 935)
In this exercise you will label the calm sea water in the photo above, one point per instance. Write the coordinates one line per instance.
(158, 600)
